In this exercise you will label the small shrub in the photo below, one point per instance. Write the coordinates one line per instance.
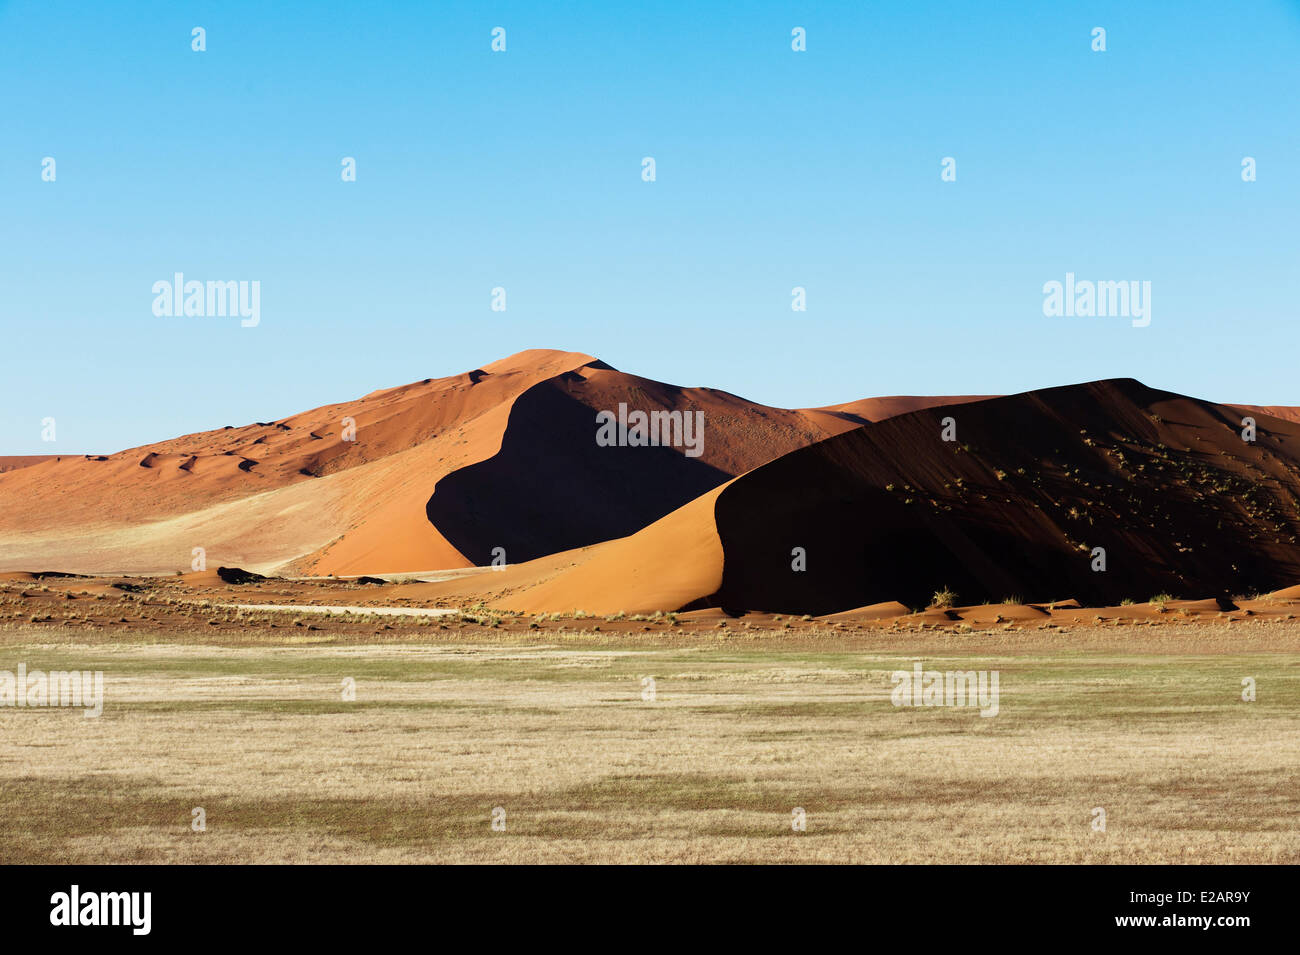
(943, 599)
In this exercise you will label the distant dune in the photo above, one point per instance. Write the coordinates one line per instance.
(442, 472)
(1283, 412)
(866, 410)
(13, 462)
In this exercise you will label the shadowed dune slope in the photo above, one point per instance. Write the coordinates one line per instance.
(550, 487)
(1017, 503)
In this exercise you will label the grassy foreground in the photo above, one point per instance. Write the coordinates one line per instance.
(737, 736)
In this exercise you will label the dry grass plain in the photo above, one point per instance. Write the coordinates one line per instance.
(1145, 722)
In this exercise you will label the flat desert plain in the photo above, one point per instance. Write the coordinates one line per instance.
(643, 741)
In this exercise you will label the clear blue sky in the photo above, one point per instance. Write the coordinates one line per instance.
(523, 169)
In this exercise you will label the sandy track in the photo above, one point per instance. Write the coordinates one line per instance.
(378, 611)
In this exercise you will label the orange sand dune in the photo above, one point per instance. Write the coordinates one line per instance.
(501, 463)
(442, 473)
(550, 488)
(265, 494)
(537, 483)
(1012, 508)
